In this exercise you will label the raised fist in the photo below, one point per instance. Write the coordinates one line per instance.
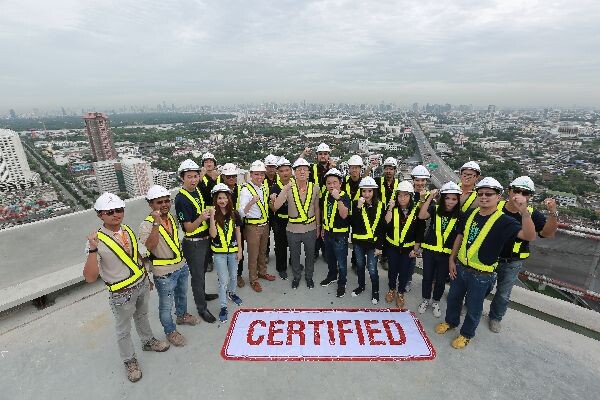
(335, 193)
(93, 240)
(550, 204)
(156, 216)
(360, 202)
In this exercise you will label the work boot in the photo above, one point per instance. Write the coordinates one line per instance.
(187, 319)
(400, 300)
(176, 339)
(389, 297)
(134, 373)
(495, 325)
(156, 345)
(240, 282)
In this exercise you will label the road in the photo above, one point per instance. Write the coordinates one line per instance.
(439, 175)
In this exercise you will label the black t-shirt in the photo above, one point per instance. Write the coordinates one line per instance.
(338, 221)
(430, 237)
(539, 220)
(186, 211)
(504, 230)
(358, 225)
(206, 185)
(275, 189)
(352, 185)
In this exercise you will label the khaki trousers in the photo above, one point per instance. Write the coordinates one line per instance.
(257, 238)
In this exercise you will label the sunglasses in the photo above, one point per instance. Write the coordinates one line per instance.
(165, 201)
(486, 194)
(230, 176)
(116, 210)
(521, 191)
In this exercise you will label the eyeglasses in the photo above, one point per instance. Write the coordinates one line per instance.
(521, 191)
(486, 194)
(116, 210)
(165, 201)
(468, 175)
(230, 176)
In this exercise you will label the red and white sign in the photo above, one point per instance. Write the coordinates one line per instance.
(326, 335)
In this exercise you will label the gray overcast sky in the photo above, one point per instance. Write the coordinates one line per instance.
(85, 53)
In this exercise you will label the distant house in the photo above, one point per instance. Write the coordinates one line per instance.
(563, 198)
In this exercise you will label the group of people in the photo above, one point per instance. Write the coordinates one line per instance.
(465, 232)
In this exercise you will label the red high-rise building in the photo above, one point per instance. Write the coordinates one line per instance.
(100, 136)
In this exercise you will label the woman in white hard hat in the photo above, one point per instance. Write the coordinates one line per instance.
(225, 231)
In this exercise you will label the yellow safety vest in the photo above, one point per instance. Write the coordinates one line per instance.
(399, 236)
(199, 208)
(172, 242)
(369, 229)
(440, 238)
(328, 221)
(356, 195)
(470, 257)
(262, 205)
(135, 271)
(469, 200)
(225, 241)
(322, 188)
(280, 185)
(302, 217)
(518, 242)
(382, 189)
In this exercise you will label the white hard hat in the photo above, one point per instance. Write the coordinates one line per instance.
(283, 162)
(208, 156)
(108, 201)
(220, 187)
(391, 162)
(420, 172)
(450, 188)
(355, 160)
(523, 182)
(405, 186)
(156, 192)
(489, 182)
(229, 169)
(188, 165)
(301, 162)
(258, 166)
(368, 183)
(334, 172)
(471, 165)
(271, 160)
(323, 147)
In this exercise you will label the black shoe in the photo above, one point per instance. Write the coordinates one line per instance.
(341, 291)
(207, 316)
(310, 284)
(327, 281)
(295, 283)
(211, 296)
(210, 267)
(283, 275)
(358, 291)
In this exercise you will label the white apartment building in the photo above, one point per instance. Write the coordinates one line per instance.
(137, 175)
(106, 176)
(14, 168)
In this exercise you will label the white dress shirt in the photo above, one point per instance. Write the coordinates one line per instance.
(246, 196)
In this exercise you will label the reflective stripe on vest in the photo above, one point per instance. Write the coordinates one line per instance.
(262, 205)
(172, 242)
(382, 189)
(471, 257)
(302, 217)
(356, 195)
(135, 271)
(518, 242)
(370, 229)
(440, 238)
(328, 221)
(469, 200)
(280, 186)
(396, 241)
(199, 208)
(322, 188)
(225, 241)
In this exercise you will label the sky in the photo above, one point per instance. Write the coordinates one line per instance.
(94, 54)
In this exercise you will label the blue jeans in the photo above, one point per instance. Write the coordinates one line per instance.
(508, 273)
(360, 254)
(398, 267)
(435, 268)
(172, 288)
(475, 286)
(335, 248)
(226, 266)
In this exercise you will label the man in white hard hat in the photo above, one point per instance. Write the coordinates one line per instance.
(209, 177)
(469, 174)
(254, 209)
(387, 188)
(351, 187)
(516, 251)
(193, 215)
(480, 237)
(160, 235)
(280, 217)
(270, 180)
(112, 253)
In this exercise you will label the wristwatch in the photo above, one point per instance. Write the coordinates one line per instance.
(93, 251)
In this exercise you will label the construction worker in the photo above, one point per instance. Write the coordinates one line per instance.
(209, 177)
(112, 252)
(351, 187)
(469, 174)
(438, 243)
(271, 178)
(516, 252)
(420, 179)
(280, 217)
(368, 232)
(254, 209)
(225, 231)
(480, 237)
(387, 187)
(193, 215)
(160, 235)
(302, 197)
(335, 204)
(404, 233)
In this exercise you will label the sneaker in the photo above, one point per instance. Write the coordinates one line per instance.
(283, 275)
(235, 298)
(223, 314)
(460, 342)
(241, 282)
(207, 316)
(134, 373)
(176, 339)
(375, 298)
(389, 297)
(423, 306)
(187, 319)
(443, 327)
(328, 281)
(156, 345)
(495, 325)
(295, 283)
(408, 286)
(310, 284)
(356, 292)
(436, 310)
(341, 291)
(400, 300)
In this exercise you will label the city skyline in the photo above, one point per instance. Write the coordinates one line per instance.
(89, 54)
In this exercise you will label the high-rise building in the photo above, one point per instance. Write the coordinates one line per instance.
(491, 109)
(138, 176)
(100, 136)
(14, 168)
(106, 176)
